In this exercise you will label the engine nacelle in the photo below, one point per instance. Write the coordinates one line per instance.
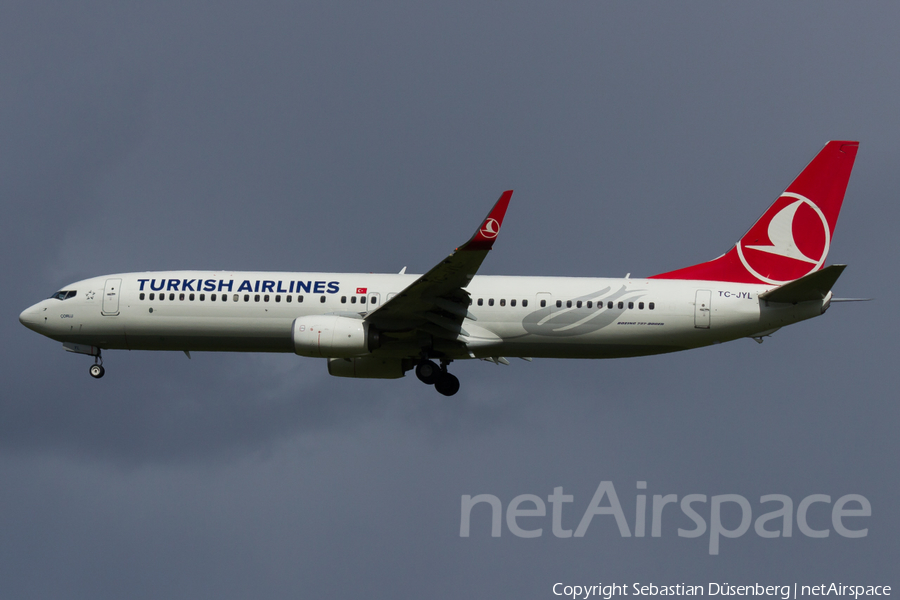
(332, 336)
(368, 367)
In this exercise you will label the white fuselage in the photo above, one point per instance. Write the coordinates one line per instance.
(554, 317)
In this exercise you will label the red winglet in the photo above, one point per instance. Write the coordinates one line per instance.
(490, 227)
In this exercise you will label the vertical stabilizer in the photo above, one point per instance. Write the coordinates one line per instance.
(793, 237)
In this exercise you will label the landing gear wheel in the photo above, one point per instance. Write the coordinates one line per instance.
(428, 372)
(97, 371)
(447, 384)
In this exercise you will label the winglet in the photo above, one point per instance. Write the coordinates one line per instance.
(486, 234)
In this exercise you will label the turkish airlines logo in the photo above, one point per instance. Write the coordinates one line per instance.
(791, 243)
(490, 229)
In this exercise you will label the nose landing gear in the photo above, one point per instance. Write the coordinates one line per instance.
(97, 371)
(430, 374)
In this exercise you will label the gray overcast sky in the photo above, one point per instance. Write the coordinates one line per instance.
(639, 137)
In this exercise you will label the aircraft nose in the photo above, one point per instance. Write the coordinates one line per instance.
(30, 317)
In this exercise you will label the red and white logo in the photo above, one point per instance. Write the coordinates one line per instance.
(791, 240)
(361, 290)
(490, 229)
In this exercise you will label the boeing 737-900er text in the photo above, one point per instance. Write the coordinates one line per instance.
(383, 325)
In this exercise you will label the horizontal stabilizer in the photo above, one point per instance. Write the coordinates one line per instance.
(814, 286)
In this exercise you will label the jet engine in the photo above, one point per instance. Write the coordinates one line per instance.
(332, 336)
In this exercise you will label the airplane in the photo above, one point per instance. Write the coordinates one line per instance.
(383, 325)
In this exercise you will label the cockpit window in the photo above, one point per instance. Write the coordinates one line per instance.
(64, 294)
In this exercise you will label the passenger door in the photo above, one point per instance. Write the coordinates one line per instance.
(702, 309)
(111, 297)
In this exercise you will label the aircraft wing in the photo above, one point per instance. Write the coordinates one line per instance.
(436, 302)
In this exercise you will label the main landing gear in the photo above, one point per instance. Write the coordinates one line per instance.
(97, 371)
(430, 374)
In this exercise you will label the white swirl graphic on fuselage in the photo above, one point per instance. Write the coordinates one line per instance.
(571, 321)
(781, 234)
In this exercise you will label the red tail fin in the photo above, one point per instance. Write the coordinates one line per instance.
(792, 238)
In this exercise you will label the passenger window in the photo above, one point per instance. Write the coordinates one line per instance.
(512, 302)
(362, 299)
(481, 302)
(343, 299)
(568, 304)
(322, 299)
(191, 297)
(559, 304)
(181, 296)
(152, 295)
(490, 302)
(641, 305)
(502, 301)
(256, 297)
(373, 300)
(651, 306)
(266, 298)
(277, 298)
(246, 297)
(543, 303)
(172, 296)
(524, 303)
(578, 304)
(352, 299)
(287, 299)
(300, 298)
(142, 295)
(236, 298)
(631, 305)
(621, 305)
